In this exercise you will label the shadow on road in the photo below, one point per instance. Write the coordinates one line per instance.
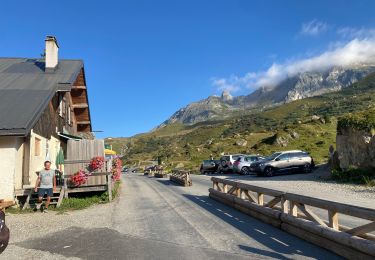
(105, 243)
(168, 182)
(280, 243)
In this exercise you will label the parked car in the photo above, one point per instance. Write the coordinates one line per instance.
(208, 166)
(282, 162)
(4, 232)
(226, 162)
(242, 164)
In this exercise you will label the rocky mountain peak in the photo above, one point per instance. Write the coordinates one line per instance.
(300, 86)
(226, 96)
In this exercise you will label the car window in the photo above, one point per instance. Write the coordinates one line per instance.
(299, 155)
(225, 158)
(251, 159)
(284, 157)
(273, 156)
(235, 157)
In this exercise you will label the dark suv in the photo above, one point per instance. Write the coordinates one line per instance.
(282, 162)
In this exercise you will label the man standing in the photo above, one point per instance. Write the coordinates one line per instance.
(45, 184)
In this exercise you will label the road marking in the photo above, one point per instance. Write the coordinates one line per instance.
(257, 230)
(229, 215)
(275, 239)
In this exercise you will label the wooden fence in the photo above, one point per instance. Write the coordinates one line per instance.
(181, 177)
(79, 154)
(293, 213)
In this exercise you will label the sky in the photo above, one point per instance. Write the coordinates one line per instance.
(144, 60)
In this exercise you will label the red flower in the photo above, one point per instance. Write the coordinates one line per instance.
(96, 163)
(79, 178)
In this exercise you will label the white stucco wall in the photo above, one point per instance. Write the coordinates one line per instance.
(8, 152)
(37, 161)
(18, 171)
(12, 158)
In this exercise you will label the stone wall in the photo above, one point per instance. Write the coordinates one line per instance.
(356, 148)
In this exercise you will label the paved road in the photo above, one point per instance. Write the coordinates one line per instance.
(155, 219)
(176, 222)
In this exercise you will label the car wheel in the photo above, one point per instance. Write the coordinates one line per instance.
(245, 171)
(269, 172)
(307, 168)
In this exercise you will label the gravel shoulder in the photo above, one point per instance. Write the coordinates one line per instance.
(312, 185)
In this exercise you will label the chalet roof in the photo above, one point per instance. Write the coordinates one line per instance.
(26, 89)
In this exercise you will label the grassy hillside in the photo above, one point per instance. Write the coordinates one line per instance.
(308, 124)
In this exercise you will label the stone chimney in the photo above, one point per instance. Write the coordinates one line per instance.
(52, 53)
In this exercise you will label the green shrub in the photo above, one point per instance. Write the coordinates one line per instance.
(369, 182)
(360, 121)
(354, 175)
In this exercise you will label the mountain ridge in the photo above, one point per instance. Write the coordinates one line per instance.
(300, 86)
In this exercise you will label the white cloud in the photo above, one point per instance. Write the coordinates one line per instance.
(233, 83)
(226, 85)
(352, 32)
(356, 51)
(313, 28)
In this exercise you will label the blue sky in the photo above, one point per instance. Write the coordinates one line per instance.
(146, 59)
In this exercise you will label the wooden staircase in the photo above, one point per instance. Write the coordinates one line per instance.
(32, 198)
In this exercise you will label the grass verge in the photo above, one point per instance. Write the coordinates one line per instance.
(355, 176)
(76, 203)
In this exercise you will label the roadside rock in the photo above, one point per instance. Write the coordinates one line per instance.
(282, 141)
(315, 118)
(294, 135)
(241, 142)
(180, 165)
(355, 148)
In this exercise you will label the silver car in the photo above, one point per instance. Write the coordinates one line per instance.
(282, 162)
(226, 162)
(242, 164)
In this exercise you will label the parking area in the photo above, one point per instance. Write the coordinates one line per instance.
(310, 184)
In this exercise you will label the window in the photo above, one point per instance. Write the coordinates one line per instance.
(62, 106)
(284, 157)
(47, 149)
(69, 116)
(37, 146)
(294, 155)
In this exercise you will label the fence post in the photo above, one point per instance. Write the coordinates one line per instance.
(284, 205)
(333, 218)
(109, 189)
(260, 199)
(66, 193)
(293, 210)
